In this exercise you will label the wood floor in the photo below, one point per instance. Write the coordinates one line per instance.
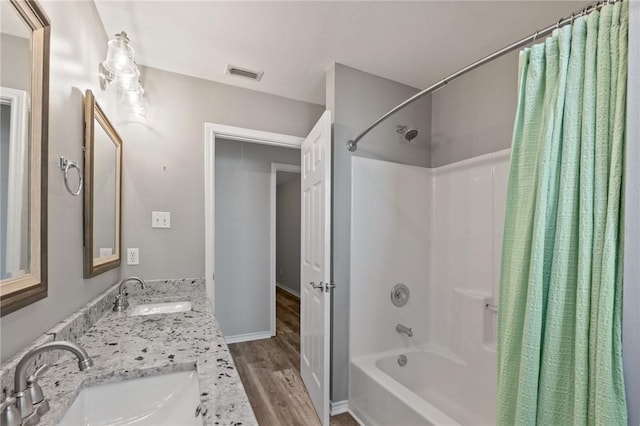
(270, 372)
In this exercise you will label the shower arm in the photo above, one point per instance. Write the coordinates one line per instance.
(352, 144)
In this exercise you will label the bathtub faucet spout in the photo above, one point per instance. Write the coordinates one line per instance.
(404, 329)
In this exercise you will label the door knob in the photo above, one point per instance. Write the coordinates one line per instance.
(317, 286)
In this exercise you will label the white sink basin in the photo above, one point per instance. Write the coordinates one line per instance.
(168, 399)
(161, 308)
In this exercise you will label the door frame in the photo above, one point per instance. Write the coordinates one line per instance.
(275, 168)
(240, 134)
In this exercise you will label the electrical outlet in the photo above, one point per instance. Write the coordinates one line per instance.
(133, 256)
(160, 219)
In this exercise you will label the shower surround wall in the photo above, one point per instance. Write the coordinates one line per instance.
(390, 242)
(469, 202)
(439, 231)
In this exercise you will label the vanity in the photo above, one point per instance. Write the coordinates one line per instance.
(146, 368)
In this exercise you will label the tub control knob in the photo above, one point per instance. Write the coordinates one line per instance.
(400, 295)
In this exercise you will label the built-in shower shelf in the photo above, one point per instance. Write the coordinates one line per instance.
(480, 295)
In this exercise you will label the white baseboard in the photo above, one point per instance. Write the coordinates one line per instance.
(247, 337)
(356, 418)
(339, 407)
(288, 290)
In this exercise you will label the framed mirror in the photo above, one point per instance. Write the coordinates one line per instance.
(24, 106)
(102, 190)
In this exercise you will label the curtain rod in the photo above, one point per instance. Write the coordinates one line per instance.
(352, 144)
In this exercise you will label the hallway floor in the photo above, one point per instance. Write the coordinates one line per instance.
(270, 372)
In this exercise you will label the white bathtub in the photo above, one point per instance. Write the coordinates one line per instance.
(432, 389)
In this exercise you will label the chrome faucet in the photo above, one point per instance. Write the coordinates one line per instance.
(28, 393)
(121, 302)
(404, 329)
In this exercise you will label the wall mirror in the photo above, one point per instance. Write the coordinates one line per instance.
(24, 105)
(102, 190)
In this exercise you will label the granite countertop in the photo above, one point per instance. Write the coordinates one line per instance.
(125, 347)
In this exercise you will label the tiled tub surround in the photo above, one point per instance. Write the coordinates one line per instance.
(125, 347)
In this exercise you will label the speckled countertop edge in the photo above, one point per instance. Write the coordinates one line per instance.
(71, 328)
(125, 347)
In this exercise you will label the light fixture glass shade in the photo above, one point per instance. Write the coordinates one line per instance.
(120, 56)
(134, 95)
(133, 99)
(120, 68)
(126, 82)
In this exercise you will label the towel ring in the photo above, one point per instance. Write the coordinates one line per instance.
(66, 165)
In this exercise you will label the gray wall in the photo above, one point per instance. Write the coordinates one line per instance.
(164, 162)
(474, 114)
(78, 44)
(242, 243)
(631, 311)
(288, 234)
(15, 56)
(356, 99)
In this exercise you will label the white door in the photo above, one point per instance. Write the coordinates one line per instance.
(315, 261)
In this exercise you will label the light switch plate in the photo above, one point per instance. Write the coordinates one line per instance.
(160, 219)
(106, 251)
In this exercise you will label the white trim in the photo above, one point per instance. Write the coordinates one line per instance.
(288, 290)
(356, 418)
(275, 168)
(18, 153)
(238, 338)
(211, 132)
(339, 407)
(254, 136)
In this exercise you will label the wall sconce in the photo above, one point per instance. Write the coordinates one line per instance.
(120, 71)
(119, 68)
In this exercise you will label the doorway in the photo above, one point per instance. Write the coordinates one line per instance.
(313, 359)
(243, 193)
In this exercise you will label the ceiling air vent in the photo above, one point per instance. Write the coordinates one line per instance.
(243, 72)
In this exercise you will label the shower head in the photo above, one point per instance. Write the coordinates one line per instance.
(408, 132)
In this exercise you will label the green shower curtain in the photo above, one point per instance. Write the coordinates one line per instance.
(560, 306)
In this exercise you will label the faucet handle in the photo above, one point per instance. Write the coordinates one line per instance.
(9, 414)
(33, 387)
(38, 374)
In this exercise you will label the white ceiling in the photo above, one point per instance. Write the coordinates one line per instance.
(295, 42)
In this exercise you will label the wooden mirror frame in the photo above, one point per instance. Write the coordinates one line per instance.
(16, 293)
(93, 113)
